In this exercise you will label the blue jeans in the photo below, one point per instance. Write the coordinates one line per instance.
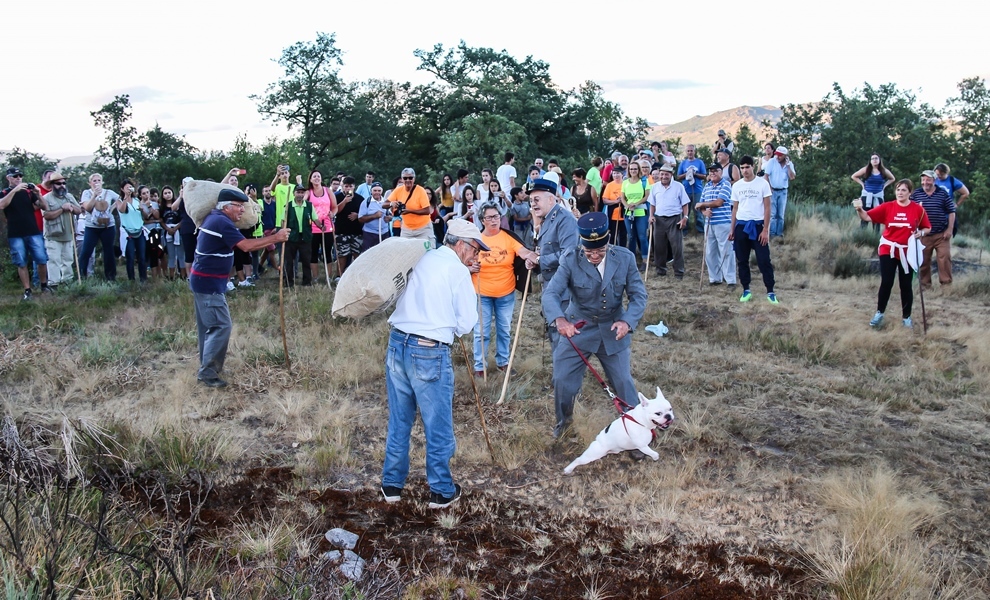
(104, 235)
(503, 329)
(638, 229)
(419, 377)
(699, 219)
(213, 328)
(778, 203)
(20, 247)
(136, 246)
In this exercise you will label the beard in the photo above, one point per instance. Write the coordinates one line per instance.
(60, 192)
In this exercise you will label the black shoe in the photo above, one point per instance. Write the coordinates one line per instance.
(391, 493)
(214, 382)
(679, 276)
(438, 501)
(719, 282)
(47, 289)
(561, 429)
(27, 295)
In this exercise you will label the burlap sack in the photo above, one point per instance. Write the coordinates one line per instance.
(377, 278)
(252, 212)
(200, 197)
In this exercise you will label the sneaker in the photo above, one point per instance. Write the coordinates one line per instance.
(714, 283)
(504, 367)
(214, 382)
(877, 319)
(772, 298)
(245, 283)
(391, 493)
(732, 286)
(47, 289)
(746, 296)
(908, 323)
(438, 501)
(27, 295)
(230, 286)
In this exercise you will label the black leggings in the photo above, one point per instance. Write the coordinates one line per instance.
(888, 267)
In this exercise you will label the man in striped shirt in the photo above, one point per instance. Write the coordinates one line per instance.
(941, 211)
(716, 205)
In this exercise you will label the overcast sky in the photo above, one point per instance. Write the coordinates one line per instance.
(191, 66)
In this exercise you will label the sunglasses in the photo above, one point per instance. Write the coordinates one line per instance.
(58, 183)
(408, 178)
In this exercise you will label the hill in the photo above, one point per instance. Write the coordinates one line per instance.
(704, 130)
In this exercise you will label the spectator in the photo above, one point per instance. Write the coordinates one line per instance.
(347, 228)
(374, 219)
(456, 190)
(750, 228)
(716, 202)
(634, 193)
(941, 211)
(244, 262)
(584, 193)
(132, 224)
(171, 220)
(874, 179)
(444, 193)
(902, 220)
(483, 189)
(154, 250)
(494, 278)
(538, 163)
(612, 201)
(594, 176)
(522, 218)
(324, 207)
(498, 198)
(665, 155)
(187, 227)
(951, 185)
(779, 174)
(766, 158)
(506, 174)
(533, 175)
(100, 227)
(730, 172)
(668, 204)
(268, 226)
(723, 141)
(20, 201)
(415, 205)
(60, 206)
(364, 190)
(692, 173)
(299, 246)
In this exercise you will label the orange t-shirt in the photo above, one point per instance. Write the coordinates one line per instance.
(497, 277)
(612, 192)
(416, 201)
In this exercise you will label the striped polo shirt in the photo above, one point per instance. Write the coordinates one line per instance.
(721, 215)
(938, 206)
(214, 254)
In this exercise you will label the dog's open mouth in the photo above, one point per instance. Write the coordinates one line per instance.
(665, 423)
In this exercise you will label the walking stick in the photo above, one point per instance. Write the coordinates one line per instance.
(481, 335)
(75, 256)
(921, 291)
(515, 342)
(326, 267)
(281, 297)
(704, 253)
(477, 398)
(649, 251)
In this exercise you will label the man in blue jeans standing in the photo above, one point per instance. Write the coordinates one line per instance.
(779, 174)
(438, 304)
(18, 201)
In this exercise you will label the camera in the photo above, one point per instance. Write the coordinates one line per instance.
(761, 173)
(398, 207)
(30, 186)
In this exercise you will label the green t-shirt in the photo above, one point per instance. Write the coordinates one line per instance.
(595, 179)
(283, 194)
(635, 193)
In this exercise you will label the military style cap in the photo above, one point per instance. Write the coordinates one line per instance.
(593, 230)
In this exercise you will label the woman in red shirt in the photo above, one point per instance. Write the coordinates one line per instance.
(902, 220)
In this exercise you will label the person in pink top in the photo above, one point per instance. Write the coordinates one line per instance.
(324, 208)
(902, 220)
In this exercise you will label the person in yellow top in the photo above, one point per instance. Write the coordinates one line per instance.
(634, 192)
(411, 202)
(494, 279)
(612, 199)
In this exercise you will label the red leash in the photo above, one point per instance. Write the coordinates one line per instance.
(620, 405)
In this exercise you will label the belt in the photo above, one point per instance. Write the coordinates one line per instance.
(778, 189)
(421, 340)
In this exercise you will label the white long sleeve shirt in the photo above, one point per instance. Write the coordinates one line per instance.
(439, 301)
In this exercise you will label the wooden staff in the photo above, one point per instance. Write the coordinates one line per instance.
(704, 253)
(481, 335)
(326, 266)
(477, 398)
(649, 251)
(921, 290)
(75, 255)
(281, 296)
(515, 342)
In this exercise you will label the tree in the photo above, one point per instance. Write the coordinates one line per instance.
(32, 164)
(479, 141)
(971, 109)
(121, 147)
(746, 143)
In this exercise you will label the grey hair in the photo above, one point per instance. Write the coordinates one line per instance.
(409, 171)
(451, 240)
(224, 204)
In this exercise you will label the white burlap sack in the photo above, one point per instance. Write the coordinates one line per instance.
(252, 212)
(377, 278)
(200, 197)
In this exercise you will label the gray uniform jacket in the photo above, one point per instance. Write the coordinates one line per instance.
(558, 233)
(595, 299)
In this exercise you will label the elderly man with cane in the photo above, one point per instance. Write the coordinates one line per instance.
(595, 277)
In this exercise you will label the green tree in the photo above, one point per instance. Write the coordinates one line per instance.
(479, 141)
(121, 148)
(746, 143)
(971, 111)
(31, 164)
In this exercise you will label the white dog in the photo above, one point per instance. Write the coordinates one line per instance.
(631, 431)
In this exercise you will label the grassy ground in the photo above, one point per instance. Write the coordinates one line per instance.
(812, 457)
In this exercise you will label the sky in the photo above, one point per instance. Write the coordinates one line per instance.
(192, 66)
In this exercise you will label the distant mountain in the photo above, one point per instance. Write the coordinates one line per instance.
(71, 161)
(704, 130)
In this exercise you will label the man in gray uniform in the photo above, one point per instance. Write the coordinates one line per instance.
(595, 276)
(557, 233)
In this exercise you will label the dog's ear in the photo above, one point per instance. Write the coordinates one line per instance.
(643, 399)
(660, 395)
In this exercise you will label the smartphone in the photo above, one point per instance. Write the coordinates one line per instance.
(242, 171)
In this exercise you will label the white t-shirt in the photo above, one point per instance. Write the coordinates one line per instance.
(504, 175)
(749, 195)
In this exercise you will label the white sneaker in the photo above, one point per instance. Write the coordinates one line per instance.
(245, 283)
(230, 286)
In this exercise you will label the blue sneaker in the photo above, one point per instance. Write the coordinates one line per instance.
(772, 298)
(746, 297)
(908, 323)
(876, 320)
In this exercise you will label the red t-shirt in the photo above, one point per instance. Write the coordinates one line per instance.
(899, 223)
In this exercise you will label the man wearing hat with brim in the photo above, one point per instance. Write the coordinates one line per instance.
(595, 277)
(779, 174)
(60, 206)
(438, 304)
(18, 201)
(557, 233)
(208, 276)
(941, 211)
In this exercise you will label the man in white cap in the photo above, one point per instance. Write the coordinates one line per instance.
(779, 174)
(557, 233)
(437, 305)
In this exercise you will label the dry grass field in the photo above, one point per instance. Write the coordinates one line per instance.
(812, 457)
